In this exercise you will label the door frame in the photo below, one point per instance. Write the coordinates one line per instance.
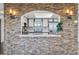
(2, 28)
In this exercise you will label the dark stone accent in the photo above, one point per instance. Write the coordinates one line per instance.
(1, 48)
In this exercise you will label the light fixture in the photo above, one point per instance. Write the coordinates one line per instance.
(69, 13)
(12, 14)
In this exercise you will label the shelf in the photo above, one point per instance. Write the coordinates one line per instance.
(43, 35)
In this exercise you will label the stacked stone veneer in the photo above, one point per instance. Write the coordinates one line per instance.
(13, 44)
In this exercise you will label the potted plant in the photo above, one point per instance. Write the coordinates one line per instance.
(25, 29)
(60, 26)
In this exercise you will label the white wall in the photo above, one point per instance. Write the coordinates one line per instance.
(78, 28)
(2, 21)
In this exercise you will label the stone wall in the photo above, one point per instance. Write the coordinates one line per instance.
(13, 44)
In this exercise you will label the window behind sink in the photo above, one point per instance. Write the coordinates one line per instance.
(37, 22)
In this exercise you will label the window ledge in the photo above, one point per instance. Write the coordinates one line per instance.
(31, 35)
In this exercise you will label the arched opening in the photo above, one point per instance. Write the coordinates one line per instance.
(39, 22)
